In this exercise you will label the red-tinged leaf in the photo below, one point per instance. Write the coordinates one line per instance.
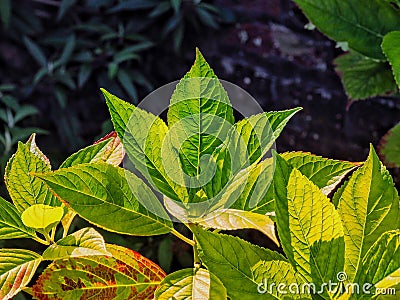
(108, 149)
(17, 268)
(126, 275)
(115, 151)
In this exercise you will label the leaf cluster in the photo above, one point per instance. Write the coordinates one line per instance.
(329, 217)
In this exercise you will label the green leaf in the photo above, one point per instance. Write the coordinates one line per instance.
(389, 147)
(143, 147)
(270, 274)
(360, 23)
(5, 12)
(24, 189)
(391, 281)
(108, 149)
(368, 206)
(248, 190)
(255, 196)
(35, 51)
(25, 111)
(125, 275)
(40, 216)
(84, 74)
(133, 5)
(67, 51)
(207, 18)
(17, 268)
(363, 77)
(64, 7)
(381, 261)
(231, 260)
(260, 131)
(165, 254)
(233, 219)
(97, 190)
(391, 48)
(256, 135)
(323, 172)
(33, 148)
(200, 115)
(191, 284)
(11, 226)
(85, 242)
(126, 81)
(308, 225)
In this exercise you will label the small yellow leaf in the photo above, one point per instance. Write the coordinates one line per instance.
(40, 216)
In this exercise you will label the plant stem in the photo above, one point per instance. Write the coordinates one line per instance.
(48, 238)
(182, 237)
(39, 240)
(66, 225)
(196, 259)
(53, 233)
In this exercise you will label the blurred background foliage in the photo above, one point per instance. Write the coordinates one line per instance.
(58, 54)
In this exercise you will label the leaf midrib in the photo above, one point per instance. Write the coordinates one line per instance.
(358, 25)
(109, 203)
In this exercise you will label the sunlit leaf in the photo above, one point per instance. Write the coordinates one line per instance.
(125, 275)
(17, 268)
(11, 226)
(191, 284)
(110, 197)
(40, 216)
(84, 242)
(368, 206)
(232, 219)
(24, 189)
(389, 147)
(231, 259)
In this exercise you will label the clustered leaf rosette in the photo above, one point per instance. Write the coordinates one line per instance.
(334, 221)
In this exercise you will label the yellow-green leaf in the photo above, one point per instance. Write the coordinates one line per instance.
(368, 207)
(143, 147)
(309, 226)
(323, 172)
(24, 189)
(231, 259)
(233, 219)
(109, 197)
(84, 242)
(40, 216)
(108, 149)
(381, 265)
(11, 226)
(17, 268)
(191, 284)
(270, 274)
(200, 114)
